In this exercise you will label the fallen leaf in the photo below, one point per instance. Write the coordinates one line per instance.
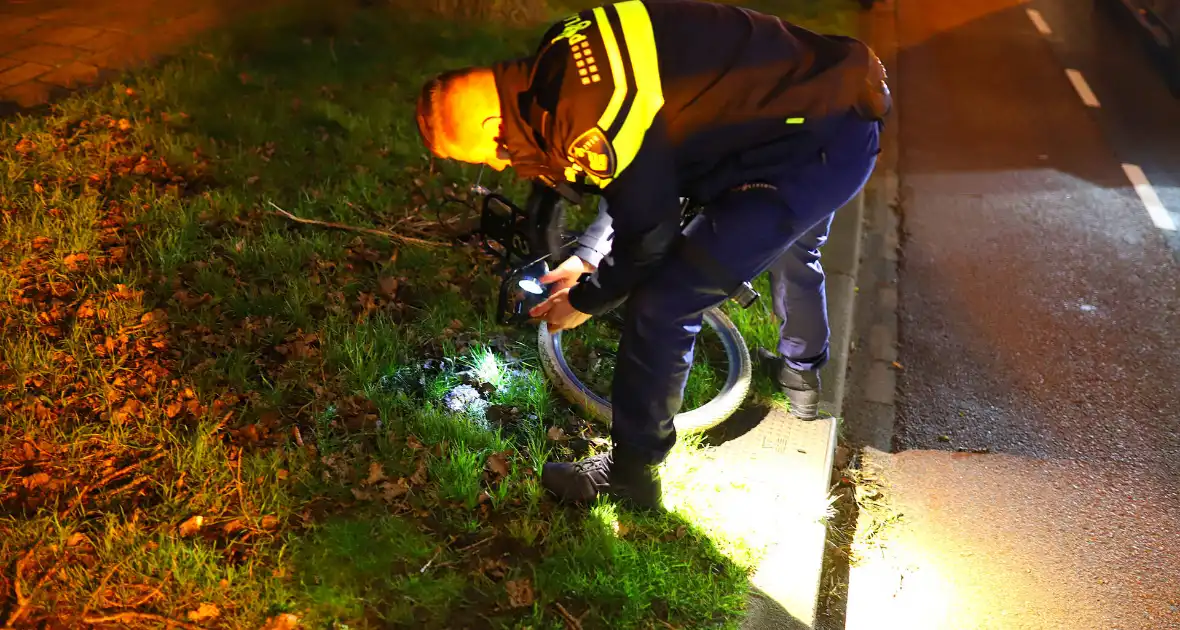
(75, 261)
(361, 495)
(286, 621)
(192, 525)
(124, 124)
(393, 490)
(249, 433)
(498, 464)
(494, 568)
(388, 286)
(520, 592)
(556, 434)
(376, 474)
(898, 365)
(233, 526)
(842, 456)
(76, 539)
(203, 612)
(35, 480)
(269, 522)
(413, 443)
(419, 476)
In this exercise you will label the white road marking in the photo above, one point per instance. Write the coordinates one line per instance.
(1039, 21)
(1155, 208)
(1083, 88)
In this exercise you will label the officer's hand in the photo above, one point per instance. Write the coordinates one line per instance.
(566, 274)
(559, 313)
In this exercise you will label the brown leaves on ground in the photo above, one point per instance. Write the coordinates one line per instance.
(520, 592)
(420, 475)
(281, 622)
(376, 474)
(191, 526)
(132, 344)
(388, 287)
(498, 466)
(299, 345)
(204, 612)
(88, 474)
(376, 485)
(111, 157)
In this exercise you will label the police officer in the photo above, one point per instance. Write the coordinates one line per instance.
(770, 126)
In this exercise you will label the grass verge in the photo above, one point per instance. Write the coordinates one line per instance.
(216, 417)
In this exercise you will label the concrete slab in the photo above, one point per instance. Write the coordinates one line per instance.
(782, 465)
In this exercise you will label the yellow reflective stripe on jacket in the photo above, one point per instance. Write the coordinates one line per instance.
(617, 71)
(641, 46)
(641, 62)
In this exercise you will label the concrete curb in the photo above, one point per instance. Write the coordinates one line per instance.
(861, 264)
(872, 377)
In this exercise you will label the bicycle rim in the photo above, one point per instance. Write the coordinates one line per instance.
(714, 412)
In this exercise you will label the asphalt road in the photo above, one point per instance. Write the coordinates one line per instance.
(1040, 301)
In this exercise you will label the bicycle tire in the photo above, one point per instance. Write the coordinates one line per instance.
(717, 410)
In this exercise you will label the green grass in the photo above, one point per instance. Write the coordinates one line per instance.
(206, 405)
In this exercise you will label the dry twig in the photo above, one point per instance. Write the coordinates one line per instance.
(102, 584)
(571, 622)
(221, 423)
(431, 561)
(135, 616)
(109, 478)
(24, 601)
(475, 544)
(155, 591)
(401, 238)
(238, 482)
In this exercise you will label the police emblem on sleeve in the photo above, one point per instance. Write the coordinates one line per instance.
(593, 153)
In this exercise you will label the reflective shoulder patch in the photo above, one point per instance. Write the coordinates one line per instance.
(594, 153)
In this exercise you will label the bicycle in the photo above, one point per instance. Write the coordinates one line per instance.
(525, 240)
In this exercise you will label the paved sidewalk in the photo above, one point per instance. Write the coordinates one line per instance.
(51, 46)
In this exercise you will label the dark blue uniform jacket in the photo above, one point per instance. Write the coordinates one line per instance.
(645, 102)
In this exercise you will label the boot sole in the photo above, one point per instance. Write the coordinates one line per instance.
(806, 410)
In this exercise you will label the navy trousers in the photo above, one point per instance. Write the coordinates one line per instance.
(747, 232)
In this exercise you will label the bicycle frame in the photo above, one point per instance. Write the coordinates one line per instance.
(506, 233)
(512, 236)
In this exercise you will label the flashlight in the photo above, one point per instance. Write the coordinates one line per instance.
(521, 291)
(531, 285)
(530, 278)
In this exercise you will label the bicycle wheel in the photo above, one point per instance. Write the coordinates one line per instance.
(720, 407)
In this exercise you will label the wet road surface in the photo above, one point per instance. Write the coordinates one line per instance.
(1040, 310)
